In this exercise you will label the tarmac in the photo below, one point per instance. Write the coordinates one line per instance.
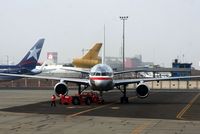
(163, 111)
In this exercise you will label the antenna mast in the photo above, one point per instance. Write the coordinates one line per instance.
(103, 53)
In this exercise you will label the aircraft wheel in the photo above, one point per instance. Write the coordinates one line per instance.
(76, 100)
(88, 100)
(124, 100)
(101, 101)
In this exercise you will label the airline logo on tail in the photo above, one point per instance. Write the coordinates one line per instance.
(31, 58)
(34, 53)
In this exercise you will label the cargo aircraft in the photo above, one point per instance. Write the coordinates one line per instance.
(26, 66)
(101, 78)
(85, 62)
(90, 59)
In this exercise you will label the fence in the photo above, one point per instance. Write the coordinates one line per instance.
(171, 84)
(41, 83)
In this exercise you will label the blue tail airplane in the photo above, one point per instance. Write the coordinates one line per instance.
(26, 66)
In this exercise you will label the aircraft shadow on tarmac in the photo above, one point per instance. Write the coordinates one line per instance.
(156, 106)
(151, 107)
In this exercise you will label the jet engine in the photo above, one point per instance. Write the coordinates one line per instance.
(61, 88)
(142, 90)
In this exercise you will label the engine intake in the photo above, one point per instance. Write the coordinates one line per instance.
(61, 88)
(142, 90)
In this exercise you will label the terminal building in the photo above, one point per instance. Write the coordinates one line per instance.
(130, 62)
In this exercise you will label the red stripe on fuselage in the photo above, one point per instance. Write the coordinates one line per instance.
(100, 78)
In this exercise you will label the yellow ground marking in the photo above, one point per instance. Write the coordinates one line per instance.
(115, 108)
(89, 110)
(182, 112)
(99, 107)
(140, 128)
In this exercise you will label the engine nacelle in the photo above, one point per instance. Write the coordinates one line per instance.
(142, 90)
(61, 88)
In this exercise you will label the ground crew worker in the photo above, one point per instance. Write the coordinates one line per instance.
(53, 100)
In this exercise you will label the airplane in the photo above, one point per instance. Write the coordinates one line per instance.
(26, 66)
(85, 62)
(101, 78)
(89, 59)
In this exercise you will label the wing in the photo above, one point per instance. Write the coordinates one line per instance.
(129, 81)
(129, 71)
(72, 80)
(80, 70)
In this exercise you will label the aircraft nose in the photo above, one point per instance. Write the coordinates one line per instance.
(105, 85)
(98, 83)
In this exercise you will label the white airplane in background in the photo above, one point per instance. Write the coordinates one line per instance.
(85, 62)
(26, 66)
(101, 79)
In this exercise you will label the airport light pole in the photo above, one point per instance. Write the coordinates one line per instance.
(84, 50)
(123, 18)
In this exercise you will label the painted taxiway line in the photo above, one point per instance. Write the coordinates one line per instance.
(182, 112)
(98, 107)
(89, 110)
(140, 128)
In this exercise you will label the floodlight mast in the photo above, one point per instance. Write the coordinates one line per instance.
(123, 18)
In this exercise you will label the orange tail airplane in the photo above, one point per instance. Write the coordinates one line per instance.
(90, 59)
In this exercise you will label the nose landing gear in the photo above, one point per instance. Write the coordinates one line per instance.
(101, 100)
(124, 98)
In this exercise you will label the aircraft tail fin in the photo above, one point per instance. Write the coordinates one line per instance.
(93, 52)
(31, 58)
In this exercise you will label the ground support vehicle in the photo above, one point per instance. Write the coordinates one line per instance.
(65, 99)
(83, 98)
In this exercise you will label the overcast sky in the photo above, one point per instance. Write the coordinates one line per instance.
(159, 30)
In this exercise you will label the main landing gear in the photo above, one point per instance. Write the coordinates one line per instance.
(124, 98)
(76, 100)
(81, 90)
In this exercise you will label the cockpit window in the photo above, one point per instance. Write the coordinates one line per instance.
(104, 74)
(101, 70)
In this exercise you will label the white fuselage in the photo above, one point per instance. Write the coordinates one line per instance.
(101, 77)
